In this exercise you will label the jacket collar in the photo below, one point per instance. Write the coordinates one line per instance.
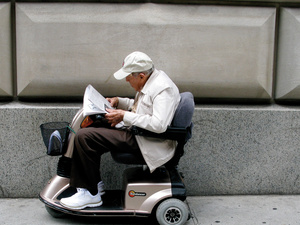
(147, 85)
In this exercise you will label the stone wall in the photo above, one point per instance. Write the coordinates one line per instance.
(234, 150)
(235, 51)
(224, 52)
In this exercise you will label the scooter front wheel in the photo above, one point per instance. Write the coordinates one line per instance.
(54, 213)
(172, 211)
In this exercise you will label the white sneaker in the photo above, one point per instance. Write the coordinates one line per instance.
(82, 199)
(101, 189)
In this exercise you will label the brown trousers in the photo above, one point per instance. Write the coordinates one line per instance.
(90, 144)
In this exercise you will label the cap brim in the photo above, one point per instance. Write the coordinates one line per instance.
(120, 74)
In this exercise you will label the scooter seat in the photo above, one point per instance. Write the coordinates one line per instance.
(128, 158)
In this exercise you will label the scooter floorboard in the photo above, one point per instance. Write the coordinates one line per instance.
(112, 205)
(112, 199)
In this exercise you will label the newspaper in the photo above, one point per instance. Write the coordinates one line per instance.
(95, 103)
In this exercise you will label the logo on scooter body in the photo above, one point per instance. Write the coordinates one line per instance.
(133, 194)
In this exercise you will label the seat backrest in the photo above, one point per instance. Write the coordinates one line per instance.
(184, 112)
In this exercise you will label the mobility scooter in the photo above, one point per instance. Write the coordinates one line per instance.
(161, 193)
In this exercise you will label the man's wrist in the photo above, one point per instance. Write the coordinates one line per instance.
(117, 102)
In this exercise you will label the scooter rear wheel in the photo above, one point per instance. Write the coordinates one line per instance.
(54, 213)
(172, 211)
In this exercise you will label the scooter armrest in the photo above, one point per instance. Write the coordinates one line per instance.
(172, 133)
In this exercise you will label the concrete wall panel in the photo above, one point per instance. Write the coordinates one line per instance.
(288, 75)
(220, 52)
(234, 150)
(6, 85)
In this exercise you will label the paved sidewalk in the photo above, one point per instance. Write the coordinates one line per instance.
(236, 210)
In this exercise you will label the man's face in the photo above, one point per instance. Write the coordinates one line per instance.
(137, 82)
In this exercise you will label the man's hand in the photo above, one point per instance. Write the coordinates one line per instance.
(113, 101)
(114, 116)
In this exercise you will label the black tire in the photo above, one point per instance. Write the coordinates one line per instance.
(54, 213)
(172, 211)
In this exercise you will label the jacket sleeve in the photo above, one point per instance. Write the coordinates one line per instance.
(160, 109)
(125, 103)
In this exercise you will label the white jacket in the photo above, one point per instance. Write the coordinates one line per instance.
(156, 106)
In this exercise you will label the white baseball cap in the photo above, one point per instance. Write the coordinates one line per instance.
(134, 62)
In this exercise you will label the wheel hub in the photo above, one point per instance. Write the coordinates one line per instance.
(173, 215)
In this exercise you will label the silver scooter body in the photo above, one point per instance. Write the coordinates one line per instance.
(142, 194)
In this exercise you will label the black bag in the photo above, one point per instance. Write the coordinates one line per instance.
(55, 136)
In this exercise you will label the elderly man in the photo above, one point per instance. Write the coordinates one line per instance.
(152, 109)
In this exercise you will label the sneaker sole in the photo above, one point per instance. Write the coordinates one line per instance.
(83, 206)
